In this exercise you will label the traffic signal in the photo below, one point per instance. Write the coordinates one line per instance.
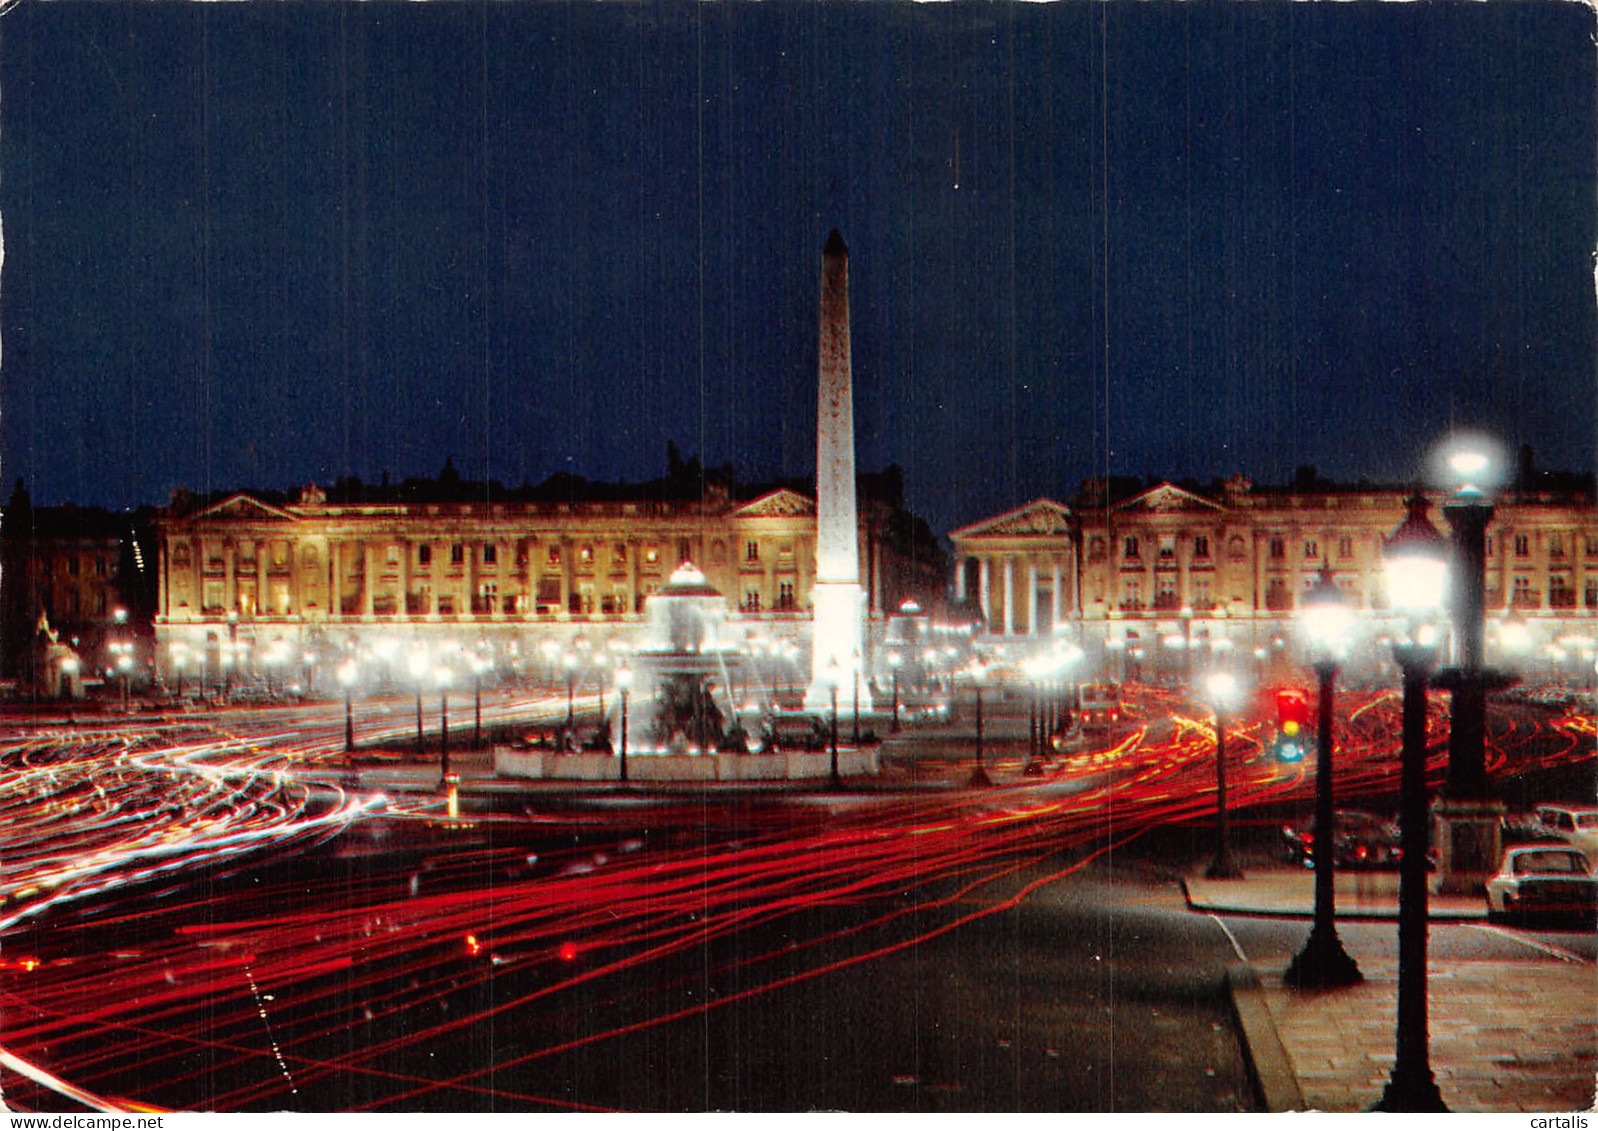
(1292, 726)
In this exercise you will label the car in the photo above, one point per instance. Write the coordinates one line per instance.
(1543, 879)
(1575, 825)
(1363, 840)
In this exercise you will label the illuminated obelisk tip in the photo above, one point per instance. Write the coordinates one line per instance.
(838, 640)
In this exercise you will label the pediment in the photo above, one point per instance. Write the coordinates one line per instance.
(1039, 518)
(1168, 497)
(243, 507)
(781, 503)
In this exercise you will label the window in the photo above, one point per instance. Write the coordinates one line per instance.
(752, 601)
(1202, 598)
(1489, 545)
(751, 551)
(1201, 546)
(1312, 549)
(1590, 599)
(1591, 544)
(1129, 546)
(446, 605)
(1556, 545)
(1522, 591)
(785, 595)
(1132, 594)
(1236, 549)
(99, 567)
(99, 603)
(457, 554)
(490, 553)
(391, 554)
(424, 554)
(1167, 547)
(72, 565)
(1522, 545)
(1278, 547)
(554, 553)
(1096, 549)
(586, 556)
(1345, 546)
(685, 551)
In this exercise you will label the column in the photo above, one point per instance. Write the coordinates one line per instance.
(959, 577)
(229, 562)
(567, 549)
(163, 584)
(335, 599)
(296, 604)
(1032, 597)
(984, 586)
(369, 559)
(1009, 594)
(261, 595)
(402, 606)
(1055, 600)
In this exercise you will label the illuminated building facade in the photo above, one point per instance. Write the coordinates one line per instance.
(1153, 577)
(249, 580)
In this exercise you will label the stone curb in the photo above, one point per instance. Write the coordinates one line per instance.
(1269, 1068)
(1438, 914)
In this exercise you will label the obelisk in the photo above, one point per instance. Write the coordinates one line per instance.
(837, 650)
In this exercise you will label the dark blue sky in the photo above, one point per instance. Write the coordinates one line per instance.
(265, 244)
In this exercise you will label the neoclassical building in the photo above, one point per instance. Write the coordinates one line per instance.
(317, 579)
(1152, 574)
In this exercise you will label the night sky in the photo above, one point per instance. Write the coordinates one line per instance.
(265, 244)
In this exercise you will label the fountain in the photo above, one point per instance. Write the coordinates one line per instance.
(685, 667)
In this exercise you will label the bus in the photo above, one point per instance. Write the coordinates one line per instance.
(1099, 707)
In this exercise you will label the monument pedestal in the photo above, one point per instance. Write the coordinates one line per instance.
(1469, 840)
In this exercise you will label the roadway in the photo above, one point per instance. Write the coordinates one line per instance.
(198, 916)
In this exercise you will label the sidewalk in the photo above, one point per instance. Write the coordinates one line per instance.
(1507, 1035)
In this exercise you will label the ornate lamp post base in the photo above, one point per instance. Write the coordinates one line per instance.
(1411, 1091)
(1323, 964)
(1224, 867)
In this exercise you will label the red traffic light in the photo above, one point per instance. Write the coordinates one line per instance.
(1292, 710)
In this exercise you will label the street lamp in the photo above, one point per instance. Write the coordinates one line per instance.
(125, 668)
(180, 656)
(418, 666)
(347, 673)
(831, 678)
(1469, 818)
(1323, 962)
(479, 665)
(624, 682)
(1038, 670)
(1223, 695)
(979, 776)
(894, 660)
(442, 676)
(1417, 578)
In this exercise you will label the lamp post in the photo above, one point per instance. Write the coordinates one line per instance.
(179, 658)
(1469, 819)
(1323, 962)
(418, 666)
(347, 673)
(894, 660)
(233, 652)
(624, 682)
(854, 712)
(1038, 671)
(1417, 577)
(125, 669)
(979, 776)
(479, 665)
(836, 781)
(1223, 692)
(442, 676)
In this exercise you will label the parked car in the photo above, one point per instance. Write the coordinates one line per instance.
(1543, 879)
(1362, 840)
(1572, 824)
